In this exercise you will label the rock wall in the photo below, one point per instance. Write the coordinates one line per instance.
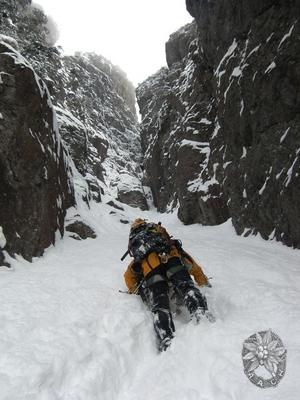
(44, 96)
(222, 121)
(94, 101)
(35, 176)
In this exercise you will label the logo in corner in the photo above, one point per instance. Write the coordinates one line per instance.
(264, 359)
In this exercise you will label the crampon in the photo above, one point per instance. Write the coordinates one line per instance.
(200, 314)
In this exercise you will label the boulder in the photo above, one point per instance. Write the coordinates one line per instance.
(80, 230)
(130, 191)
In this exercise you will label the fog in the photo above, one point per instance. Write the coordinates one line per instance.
(132, 34)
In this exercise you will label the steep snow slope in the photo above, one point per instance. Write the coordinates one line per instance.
(67, 333)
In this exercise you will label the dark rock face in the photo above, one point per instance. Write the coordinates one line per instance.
(177, 47)
(95, 121)
(176, 133)
(223, 121)
(95, 106)
(35, 178)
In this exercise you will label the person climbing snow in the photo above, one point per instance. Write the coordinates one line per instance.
(160, 262)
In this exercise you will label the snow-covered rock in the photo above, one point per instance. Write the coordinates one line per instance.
(36, 178)
(130, 191)
(232, 83)
(9, 40)
(175, 130)
(94, 100)
(94, 112)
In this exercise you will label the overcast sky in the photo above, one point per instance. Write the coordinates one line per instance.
(130, 33)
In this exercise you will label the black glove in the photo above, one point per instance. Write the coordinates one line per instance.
(177, 243)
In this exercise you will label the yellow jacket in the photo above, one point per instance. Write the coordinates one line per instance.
(133, 277)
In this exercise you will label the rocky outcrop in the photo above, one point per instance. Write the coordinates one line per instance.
(94, 119)
(131, 192)
(220, 127)
(176, 132)
(80, 231)
(35, 177)
(94, 112)
(177, 47)
(94, 101)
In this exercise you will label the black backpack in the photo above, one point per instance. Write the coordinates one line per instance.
(145, 239)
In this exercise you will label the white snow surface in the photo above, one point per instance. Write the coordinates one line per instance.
(229, 53)
(270, 67)
(287, 35)
(66, 333)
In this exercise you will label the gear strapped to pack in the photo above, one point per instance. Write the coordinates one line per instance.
(147, 238)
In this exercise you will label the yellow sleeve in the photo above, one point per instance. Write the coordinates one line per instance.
(131, 278)
(198, 275)
(196, 271)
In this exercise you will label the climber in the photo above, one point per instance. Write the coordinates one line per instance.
(158, 262)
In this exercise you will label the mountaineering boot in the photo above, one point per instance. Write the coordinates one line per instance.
(198, 315)
(165, 343)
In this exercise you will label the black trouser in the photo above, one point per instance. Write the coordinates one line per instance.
(159, 296)
(160, 308)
